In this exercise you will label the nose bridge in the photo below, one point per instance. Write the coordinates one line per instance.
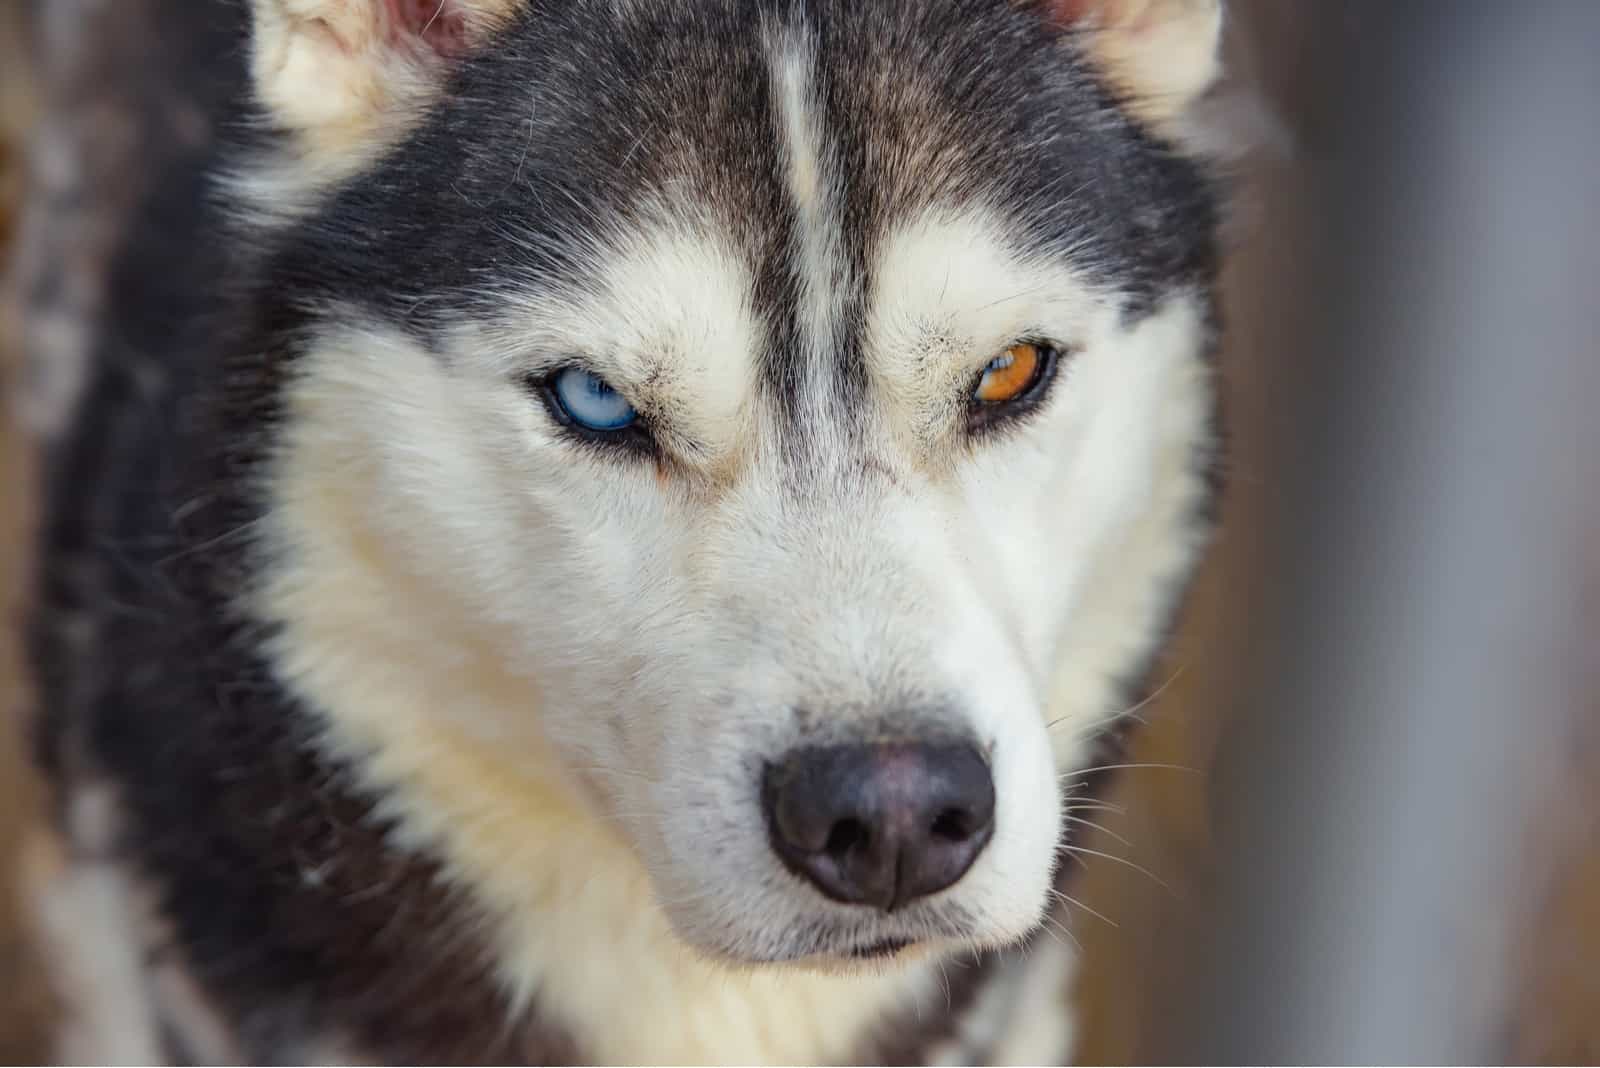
(843, 507)
(812, 494)
(814, 566)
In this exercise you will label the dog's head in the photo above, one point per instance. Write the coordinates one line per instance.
(785, 423)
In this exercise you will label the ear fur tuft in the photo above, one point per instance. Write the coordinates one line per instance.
(341, 74)
(1162, 54)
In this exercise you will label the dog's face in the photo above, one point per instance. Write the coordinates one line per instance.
(805, 404)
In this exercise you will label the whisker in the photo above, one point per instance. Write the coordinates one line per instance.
(1056, 928)
(1093, 826)
(1132, 711)
(1087, 805)
(1006, 300)
(1129, 767)
(210, 543)
(437, 11)
(1155, 695)
(1094, 725)
(1070, 900)
(1160, 689)
(1140, 868)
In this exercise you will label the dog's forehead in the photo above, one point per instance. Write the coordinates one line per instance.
(906, 103)
(796, 145)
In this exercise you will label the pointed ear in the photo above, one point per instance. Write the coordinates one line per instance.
(337, 73)
(1163, 54)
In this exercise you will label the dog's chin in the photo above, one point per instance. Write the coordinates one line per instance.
(882, 949)
(797, 929)
(848, 951)
(868, 958)
(822, 936)
(867, 954)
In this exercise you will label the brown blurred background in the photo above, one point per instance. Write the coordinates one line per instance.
(23, 1002)
(1155, 888)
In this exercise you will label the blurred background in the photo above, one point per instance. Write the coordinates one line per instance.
(1362, 821)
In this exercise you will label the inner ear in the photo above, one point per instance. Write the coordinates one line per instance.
(1162, 54)
(1126, 16)
(1067, 13)
(441, 25)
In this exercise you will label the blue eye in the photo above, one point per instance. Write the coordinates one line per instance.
(590, 402)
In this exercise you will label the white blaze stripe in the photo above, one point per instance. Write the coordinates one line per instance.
(810, 173)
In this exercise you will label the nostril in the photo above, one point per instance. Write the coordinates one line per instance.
(953, 825)
(846, 835)
(881, 823)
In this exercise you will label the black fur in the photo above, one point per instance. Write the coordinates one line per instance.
(288, 905)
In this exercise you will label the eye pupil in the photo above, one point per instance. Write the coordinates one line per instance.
(590, 402)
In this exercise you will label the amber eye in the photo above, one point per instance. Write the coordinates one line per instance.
(1011, 374)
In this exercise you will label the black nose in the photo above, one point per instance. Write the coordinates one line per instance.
(880, 824)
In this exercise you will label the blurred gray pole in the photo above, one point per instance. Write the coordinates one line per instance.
(1437, 450)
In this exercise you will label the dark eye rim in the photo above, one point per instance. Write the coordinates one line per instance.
(985, 416)
(635, 437)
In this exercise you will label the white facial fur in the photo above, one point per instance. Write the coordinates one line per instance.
(563, 671)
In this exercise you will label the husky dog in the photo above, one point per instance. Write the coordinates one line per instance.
(662, 505)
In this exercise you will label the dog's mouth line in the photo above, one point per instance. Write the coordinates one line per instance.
(884, 947)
